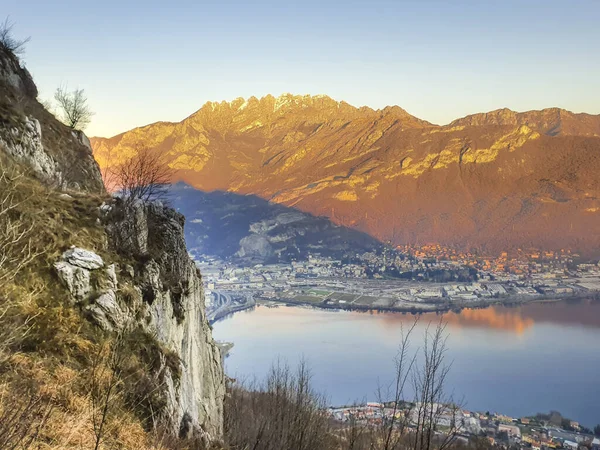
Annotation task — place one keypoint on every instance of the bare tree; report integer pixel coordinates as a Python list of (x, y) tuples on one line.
[(393, 428), (283, 412), (73, 109), (144, 177), (8, 42), (433, 406)]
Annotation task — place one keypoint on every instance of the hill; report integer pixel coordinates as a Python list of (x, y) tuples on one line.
[(493, 182), (248, 229)]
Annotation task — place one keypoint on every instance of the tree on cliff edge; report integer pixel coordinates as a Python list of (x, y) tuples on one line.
[(73, 109), (146, 177)]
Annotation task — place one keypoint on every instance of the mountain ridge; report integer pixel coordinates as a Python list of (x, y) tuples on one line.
[(460, 120), (493, 180)]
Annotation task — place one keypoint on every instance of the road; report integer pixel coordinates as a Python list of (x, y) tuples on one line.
[(224, 303)]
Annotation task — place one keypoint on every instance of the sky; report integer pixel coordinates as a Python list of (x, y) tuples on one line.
[(145, 61)]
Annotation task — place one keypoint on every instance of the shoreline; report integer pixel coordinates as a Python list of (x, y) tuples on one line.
[(435, 307)]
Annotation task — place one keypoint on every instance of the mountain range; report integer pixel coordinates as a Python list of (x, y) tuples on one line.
[(491, 182)]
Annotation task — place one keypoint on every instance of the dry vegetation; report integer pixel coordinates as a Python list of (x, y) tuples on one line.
[(284, 412), (61, 382), (7, 40)]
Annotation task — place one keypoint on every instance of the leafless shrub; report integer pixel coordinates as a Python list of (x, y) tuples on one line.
[(16, 252), (107, 365), (144, 177), (283, 412), (8, 42), (22, 419), (394, 428), (73, 108), (355, 435)]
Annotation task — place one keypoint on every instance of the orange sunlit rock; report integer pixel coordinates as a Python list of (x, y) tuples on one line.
[(488, 182)]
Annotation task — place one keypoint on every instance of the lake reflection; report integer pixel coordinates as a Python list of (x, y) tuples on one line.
[(514, 360)]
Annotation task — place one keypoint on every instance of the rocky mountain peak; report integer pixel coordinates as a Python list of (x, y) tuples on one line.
[(488, 179), (550, 121)]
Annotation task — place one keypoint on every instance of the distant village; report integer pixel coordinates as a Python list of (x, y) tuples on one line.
[(550, 431), (429, 278)]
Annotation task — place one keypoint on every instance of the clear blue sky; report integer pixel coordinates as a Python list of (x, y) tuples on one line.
[(144, 61)]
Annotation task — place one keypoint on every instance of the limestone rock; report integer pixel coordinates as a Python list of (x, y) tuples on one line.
[(57, 155), (173, 312), (83, 258), (76, 279), (255, 245), (25, 144), (111, 273), (74, 270), (106, 312)]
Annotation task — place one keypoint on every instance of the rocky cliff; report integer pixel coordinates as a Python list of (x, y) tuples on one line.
[(160, 293), (56, 154), (494, 181), (133, 278)]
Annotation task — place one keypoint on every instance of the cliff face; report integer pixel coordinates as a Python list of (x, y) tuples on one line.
[(495, 181), (56, 154), (172, 308), (145, 282), (164, 298)]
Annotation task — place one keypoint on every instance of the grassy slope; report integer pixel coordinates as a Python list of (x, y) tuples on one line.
[(47, 346)]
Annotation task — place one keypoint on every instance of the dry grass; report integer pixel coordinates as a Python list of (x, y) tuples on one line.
[(47, 348)]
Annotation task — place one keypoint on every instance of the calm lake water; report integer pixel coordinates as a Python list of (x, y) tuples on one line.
[(513, 360)]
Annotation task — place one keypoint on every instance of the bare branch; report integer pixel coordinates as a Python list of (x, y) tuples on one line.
[(8, 42), (144, 177)]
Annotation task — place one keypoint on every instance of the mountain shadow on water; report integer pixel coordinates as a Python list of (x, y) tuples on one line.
[(248, 229)]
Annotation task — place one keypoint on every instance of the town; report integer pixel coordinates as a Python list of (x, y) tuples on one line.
[(543, 431), (407, 279)]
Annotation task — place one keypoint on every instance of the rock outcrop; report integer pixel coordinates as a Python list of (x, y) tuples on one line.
[(56, 154), (160, 295), (165, 297)]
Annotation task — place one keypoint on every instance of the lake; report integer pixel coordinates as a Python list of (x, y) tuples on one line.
[(512, 360)]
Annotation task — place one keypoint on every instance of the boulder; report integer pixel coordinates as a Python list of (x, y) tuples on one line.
[(83, 258), (74, 268)]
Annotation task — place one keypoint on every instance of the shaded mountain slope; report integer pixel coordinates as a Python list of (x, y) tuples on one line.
[(249, 229)]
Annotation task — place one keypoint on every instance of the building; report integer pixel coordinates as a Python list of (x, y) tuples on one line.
[(571, 445), (512, 430)]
